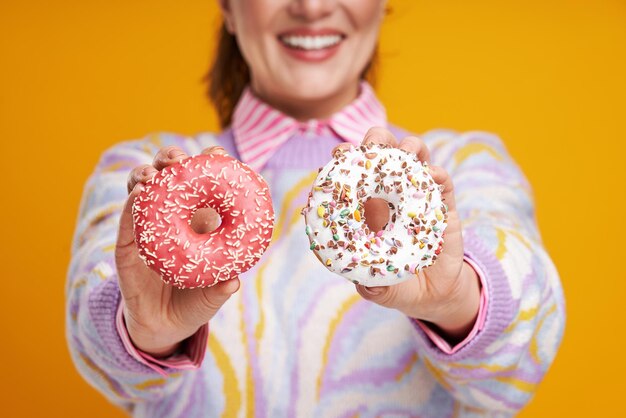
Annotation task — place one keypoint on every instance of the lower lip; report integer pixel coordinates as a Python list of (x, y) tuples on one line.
[(315, 55)]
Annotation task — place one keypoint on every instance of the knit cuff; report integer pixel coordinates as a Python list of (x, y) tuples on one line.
[(500, 308), (479, 323), (188, 357), (103, 304)]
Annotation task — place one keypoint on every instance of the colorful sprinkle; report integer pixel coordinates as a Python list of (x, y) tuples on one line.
[(353, 247)]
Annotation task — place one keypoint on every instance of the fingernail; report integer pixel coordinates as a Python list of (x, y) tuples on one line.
[(172, 153)]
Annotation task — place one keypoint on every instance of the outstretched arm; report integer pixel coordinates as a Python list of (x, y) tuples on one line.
[(109, 335), (500, 366)]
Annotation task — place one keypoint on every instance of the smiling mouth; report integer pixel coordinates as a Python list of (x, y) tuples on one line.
[(311, 42)]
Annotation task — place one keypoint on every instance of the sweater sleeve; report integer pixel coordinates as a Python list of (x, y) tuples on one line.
[(501, 367), (92, 292), (189, 356)]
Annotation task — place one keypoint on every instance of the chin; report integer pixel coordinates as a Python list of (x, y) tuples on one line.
[(314, 88)]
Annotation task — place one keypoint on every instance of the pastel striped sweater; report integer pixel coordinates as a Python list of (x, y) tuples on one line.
[(296, 340)]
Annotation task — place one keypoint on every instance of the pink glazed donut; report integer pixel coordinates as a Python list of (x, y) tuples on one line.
[(163, 211)]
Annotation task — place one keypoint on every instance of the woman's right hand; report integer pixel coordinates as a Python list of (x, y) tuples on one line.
[(159, 316)]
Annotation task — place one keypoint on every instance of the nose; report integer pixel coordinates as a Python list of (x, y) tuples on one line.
[(311, 10)]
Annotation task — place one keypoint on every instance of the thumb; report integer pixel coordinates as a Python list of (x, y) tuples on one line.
[(126, 252), (398, 296), (212, 298), (381, 295)]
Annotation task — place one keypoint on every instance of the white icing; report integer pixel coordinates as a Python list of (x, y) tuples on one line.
[(346, 245)]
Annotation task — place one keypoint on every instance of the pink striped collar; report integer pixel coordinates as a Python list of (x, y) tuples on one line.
[(259, 130)]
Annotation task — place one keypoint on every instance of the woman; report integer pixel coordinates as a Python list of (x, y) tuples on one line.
[(473, 334)]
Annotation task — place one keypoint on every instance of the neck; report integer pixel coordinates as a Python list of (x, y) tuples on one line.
[(303, 109)]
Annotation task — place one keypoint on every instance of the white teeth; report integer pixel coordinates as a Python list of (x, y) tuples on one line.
[(311, 42)]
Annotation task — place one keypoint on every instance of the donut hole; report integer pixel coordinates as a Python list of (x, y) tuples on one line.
[(376, 213), (205, 220)]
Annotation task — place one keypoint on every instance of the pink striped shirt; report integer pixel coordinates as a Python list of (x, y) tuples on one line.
[(260, 129)]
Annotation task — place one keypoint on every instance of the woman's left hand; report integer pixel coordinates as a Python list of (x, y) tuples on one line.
[(447, 293)]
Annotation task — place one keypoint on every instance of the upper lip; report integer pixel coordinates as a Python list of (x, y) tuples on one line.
[(311, 32)]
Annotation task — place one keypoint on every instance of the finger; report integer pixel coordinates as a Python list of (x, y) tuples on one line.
[(379, 135), (398, 296), (218, 150), (376, 213), (205, 220), (381, 295), (126, 252), (415, 145), (441, 176), (168, 156), (140, 174), (215, 296)]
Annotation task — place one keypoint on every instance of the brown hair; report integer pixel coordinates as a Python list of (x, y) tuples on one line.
[(229, 74)]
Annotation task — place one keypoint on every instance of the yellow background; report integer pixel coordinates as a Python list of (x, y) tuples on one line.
[(547, 75)]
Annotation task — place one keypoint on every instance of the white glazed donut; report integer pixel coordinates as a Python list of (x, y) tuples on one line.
[(335, 217)]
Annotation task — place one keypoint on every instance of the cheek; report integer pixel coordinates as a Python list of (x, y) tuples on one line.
[(251, 30), (366, 15)]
